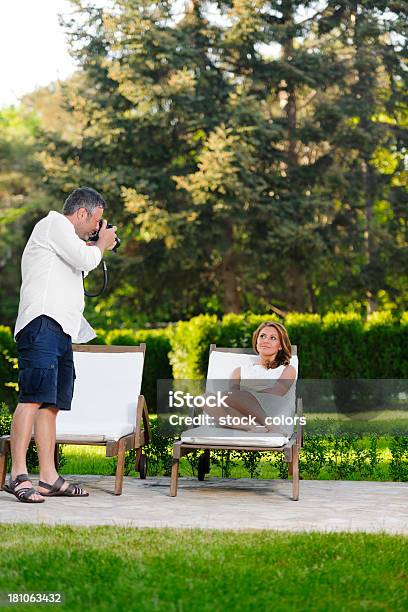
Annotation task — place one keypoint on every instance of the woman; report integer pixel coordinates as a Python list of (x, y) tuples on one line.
[(264, 389)]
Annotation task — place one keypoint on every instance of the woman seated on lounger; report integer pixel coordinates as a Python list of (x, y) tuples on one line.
[(263, 389)]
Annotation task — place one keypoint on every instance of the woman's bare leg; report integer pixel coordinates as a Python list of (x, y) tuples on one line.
[(240, 404), (221, 412)]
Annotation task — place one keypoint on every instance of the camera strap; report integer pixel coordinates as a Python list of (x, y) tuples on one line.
[(105, 282)]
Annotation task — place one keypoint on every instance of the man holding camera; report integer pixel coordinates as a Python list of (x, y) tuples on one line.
[(49, 320)]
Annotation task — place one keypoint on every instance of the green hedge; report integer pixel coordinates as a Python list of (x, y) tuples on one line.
[(8, 367), (345, 456), (338, 345), (157, 363)]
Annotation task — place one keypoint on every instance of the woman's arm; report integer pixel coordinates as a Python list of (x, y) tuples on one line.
[(284, 383), (235, 379)]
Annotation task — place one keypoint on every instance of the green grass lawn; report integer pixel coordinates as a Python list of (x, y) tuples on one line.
[(109, 568)]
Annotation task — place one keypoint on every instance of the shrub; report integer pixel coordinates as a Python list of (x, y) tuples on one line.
[(190, 341), (339, 346), (5, 426), (306, 331), (100, 336), (5, 420), (8, 366), (399, 461), (383, 353)]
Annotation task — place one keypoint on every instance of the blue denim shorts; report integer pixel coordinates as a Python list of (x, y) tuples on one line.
[(46, 372)]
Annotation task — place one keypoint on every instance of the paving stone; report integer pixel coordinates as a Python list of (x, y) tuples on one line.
[(238, 504)]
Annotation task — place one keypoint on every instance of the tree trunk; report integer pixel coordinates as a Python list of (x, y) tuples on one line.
[(228, 274), (232, 302), (365, 87), (289, 88), (296, 290), (312, 298), (296, 281), (369, 195)]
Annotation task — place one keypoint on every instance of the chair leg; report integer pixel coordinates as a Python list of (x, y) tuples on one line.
[(120, 468), (207, 461), (290, 468), (138, 454), (174, 476), (295, 467), (3, 467)]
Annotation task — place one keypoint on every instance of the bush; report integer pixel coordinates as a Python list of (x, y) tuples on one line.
[(5, 420), (190, 341), (346, 456), (8, 367), (100, 337), (5, 426), (306, 331), (399, 461), (339, 346)]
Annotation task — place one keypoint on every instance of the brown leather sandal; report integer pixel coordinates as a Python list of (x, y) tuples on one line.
[(55, 489), (23, 495)]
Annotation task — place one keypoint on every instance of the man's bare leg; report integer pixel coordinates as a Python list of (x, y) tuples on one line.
[(21, 430), (45, 436)]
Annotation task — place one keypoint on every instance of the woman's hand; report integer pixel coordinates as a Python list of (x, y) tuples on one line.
[(284, 383)]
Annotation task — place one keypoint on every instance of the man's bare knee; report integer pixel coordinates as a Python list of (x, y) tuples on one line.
[(25, 406), (48, 411)]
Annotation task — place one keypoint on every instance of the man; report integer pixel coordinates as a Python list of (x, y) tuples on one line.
[(49, 320)]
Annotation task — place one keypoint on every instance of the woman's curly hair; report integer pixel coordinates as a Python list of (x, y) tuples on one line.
[(284, 354)]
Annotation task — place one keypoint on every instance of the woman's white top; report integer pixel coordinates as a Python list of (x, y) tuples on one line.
[(255, 378)]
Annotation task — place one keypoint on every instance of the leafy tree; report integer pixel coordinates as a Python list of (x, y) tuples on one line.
[(369, 137), (21, 198), (253, 161)]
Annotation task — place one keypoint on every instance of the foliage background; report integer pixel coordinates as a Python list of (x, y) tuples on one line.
[(253, 155)]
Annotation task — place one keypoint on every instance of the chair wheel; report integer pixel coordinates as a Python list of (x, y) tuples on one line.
[(203, 466), (142, 466)]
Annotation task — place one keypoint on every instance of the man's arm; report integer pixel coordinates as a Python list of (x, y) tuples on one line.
[(75, 251)]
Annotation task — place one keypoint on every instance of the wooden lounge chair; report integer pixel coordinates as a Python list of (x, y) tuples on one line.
[(221, 363), (107, 408)]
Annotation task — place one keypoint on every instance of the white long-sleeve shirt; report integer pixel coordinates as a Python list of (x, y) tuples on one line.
[(51, 267)]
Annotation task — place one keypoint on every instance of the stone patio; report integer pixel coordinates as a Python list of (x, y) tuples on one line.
[(224, 504)]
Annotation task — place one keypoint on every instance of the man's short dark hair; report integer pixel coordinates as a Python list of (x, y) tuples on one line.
[(83, 197)]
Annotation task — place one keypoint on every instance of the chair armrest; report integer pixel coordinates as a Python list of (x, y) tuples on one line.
[(142, 415), (299, 427), (291, 442)]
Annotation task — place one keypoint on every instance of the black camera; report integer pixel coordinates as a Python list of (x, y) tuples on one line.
[(95, 236)]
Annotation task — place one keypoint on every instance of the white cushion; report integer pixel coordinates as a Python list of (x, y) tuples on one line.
[(223, 436), (221, 365), (103, 430), (105, 395)]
